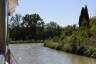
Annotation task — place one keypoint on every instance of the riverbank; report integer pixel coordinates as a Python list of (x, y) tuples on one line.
[(77, 40), (25, 41), (88, 51)]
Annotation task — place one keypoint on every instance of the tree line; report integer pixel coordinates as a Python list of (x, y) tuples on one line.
[(31, 27)]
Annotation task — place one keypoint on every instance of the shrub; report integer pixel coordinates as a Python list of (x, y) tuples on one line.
[(55, 39)]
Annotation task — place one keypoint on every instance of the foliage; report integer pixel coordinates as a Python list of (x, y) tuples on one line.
[(15, 21), (32, 20), (55, 39), (84, 18), (78, 40), (51, 44), (93, 19), (30, 27)]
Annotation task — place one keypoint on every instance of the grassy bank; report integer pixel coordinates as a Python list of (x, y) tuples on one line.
[(77, 40), (84, 51)]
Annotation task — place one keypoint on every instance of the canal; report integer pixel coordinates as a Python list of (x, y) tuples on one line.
[(37, 54)]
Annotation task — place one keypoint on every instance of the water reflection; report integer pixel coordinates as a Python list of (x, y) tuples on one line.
[(37, 54)]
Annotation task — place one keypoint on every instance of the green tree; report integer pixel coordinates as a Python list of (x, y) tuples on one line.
[(34, 25), (31, 20), (53, 29), (84, 18), (52, 26), (15, 21)]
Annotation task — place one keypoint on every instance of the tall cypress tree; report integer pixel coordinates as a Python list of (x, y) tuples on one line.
[(84, 18), (81, 16), (87, 16)]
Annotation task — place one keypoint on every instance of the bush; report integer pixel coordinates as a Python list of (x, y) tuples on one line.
[(81, 50), (55, 39), (51, 44)]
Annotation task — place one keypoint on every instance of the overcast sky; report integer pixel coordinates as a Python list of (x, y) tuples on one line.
[(63, 12)]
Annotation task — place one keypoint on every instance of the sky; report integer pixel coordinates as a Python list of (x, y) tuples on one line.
[(63, 12)]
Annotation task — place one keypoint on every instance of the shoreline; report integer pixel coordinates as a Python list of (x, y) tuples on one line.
[(24, 42), (69, 51)]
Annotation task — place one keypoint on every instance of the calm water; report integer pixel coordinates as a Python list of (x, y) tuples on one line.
[(37, 54)]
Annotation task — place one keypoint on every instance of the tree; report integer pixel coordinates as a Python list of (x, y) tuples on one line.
[(52, 26), (53, 29), (84, 18), (15, 20), (93, 20), (31, 27), (31, 20), (33, 23), (81, 17)]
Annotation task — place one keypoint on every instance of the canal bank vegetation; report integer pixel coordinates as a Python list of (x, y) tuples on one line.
[(80, 39), (31, 28)]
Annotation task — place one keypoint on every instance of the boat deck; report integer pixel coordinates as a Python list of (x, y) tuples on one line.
[(1, 59)]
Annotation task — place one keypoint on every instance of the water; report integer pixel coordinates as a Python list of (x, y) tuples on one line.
[(37, 54)]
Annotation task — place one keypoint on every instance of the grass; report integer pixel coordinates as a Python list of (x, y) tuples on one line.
[(51, 44)]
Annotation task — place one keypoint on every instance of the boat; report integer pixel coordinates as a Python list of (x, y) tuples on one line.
[(7, 7)]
